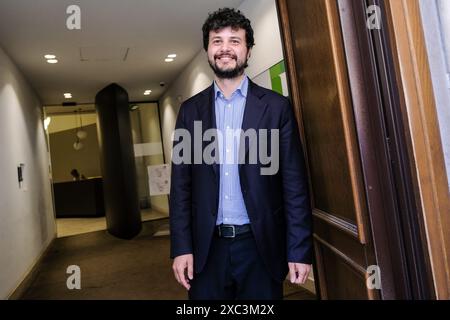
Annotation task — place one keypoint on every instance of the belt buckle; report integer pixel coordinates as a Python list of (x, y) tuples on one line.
[(229, 226)]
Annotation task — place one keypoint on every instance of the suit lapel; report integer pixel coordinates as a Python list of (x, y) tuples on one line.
[(254, 110), (206, 109)]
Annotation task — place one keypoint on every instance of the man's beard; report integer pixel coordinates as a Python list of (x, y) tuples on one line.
[(229, 73)]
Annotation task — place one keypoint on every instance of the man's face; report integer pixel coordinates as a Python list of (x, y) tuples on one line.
[(227, 52)]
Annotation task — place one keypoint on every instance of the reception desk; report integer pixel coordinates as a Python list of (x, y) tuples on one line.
[(78, 199)]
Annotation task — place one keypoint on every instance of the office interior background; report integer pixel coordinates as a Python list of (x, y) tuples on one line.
[(49, 125)]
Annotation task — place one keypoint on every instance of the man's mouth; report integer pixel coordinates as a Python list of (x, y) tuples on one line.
[(225, 58)]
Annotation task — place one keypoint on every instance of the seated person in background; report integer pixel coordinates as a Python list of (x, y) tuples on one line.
[(76, 175)]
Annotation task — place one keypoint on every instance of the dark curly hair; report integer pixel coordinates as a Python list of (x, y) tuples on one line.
[(227, 17)]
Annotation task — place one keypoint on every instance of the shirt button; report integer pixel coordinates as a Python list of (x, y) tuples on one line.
[(229, 105), (228, 127), (228, 150), (226, 197), (226, 173)]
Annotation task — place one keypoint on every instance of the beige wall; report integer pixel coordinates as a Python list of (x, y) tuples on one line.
[(27, 223), (65, 157), (65, 122)]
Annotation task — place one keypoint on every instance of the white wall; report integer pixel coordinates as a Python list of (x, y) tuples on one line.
[(26, 215), (197, 76), (436, 22), (268, 49)]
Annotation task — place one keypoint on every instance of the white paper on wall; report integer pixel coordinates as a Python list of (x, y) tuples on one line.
[(159, 179)]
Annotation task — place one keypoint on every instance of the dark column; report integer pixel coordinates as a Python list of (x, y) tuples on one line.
[(117, 160)]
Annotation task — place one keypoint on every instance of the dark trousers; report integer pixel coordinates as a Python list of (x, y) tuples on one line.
[(234, 270)]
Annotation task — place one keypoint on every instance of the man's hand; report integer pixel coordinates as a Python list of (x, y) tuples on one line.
[(299, 272), (180, 264)]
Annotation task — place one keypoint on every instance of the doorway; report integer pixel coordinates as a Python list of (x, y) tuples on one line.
[(369, 239), (76, 174)]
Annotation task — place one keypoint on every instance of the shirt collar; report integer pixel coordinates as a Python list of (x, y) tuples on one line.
[(242, 88)]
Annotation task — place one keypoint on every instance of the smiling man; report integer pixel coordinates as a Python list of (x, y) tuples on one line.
[(236, 233)]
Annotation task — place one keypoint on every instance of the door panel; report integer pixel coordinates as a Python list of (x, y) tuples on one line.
[(341, 227), (342, 279), (328, 126)]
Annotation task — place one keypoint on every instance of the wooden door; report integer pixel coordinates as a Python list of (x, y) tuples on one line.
[(342, 241), (345, 91)]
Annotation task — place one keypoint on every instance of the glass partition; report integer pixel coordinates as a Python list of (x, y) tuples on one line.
[(152, 173)]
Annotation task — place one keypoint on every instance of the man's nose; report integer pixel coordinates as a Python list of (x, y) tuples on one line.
[(225, 47)]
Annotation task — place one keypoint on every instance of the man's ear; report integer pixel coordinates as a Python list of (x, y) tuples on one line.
[(249, 54)]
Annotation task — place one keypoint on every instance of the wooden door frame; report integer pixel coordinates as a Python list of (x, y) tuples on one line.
[(397, 229), (425, 152)]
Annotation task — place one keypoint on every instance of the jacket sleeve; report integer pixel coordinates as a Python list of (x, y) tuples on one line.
[(297, 207), (180, 199)]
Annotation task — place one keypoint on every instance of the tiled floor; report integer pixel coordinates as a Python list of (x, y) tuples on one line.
[(72, 226)]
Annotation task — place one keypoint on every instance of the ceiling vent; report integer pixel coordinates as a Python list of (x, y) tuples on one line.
[(104, 53)]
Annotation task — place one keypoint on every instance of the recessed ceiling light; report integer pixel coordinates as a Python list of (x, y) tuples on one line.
[(147, 92), (52, 61), (168, 60), (67, 95), (49, 56), (172, 55)]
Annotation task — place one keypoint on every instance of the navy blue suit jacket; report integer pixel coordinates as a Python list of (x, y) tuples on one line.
[(278, 205)]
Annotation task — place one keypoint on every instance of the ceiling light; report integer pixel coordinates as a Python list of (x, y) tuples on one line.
[(168, 60), (147, 92), (78, 145), (81, 134), (67, 95), (134, 107), (52, 61), (172, 55), (49, 56)]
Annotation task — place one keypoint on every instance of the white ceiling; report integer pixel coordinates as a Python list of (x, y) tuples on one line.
[(151, 29)]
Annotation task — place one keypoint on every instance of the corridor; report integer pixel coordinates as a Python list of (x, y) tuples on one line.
[(111, 268)]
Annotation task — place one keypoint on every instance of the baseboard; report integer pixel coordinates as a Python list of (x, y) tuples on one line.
[(31, 275)]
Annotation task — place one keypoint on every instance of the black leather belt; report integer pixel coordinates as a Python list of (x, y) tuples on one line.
[(231, 231)]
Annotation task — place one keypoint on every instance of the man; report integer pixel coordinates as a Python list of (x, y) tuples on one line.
[(236, 232)]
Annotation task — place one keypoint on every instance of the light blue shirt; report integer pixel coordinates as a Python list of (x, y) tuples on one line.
[(229, 116)]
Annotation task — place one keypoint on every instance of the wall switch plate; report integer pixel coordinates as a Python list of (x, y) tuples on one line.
[(20, 175)]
